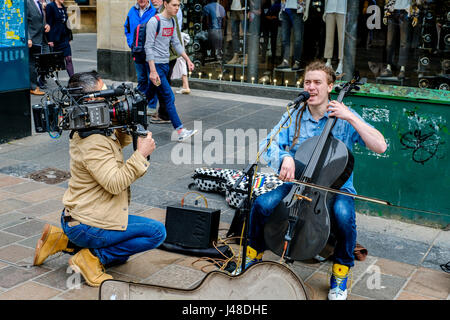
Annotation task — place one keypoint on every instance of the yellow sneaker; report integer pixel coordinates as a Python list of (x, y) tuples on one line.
[(338, 282), (251, 258)]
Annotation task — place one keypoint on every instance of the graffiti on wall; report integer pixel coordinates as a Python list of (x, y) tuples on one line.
[(423, 139)]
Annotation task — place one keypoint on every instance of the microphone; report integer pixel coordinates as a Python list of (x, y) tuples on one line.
[(302, 97), (119, 91)]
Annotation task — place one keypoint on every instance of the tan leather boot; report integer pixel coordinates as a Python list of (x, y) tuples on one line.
[(53, 240), (37, 92), (90, 267)]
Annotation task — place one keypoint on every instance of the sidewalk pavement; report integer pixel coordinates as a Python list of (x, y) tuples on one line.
[(403, 260)]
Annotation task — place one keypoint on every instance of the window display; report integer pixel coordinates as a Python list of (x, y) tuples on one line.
[(399, 42)]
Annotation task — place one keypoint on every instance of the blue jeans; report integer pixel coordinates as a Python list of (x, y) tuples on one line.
[(142, 74), (291, 20), (112, 246), (342, 222), (165, 94)]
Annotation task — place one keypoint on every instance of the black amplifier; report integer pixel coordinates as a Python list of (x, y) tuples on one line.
[(192, 227)]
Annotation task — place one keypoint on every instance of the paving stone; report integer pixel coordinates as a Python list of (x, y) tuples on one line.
[(157, 214), (429, 283), (392, 247), (147, 263), (302, 271), (53, 218), (411, 296), (7, 238), (394, 268), (53, 262), (43, 208), (443, 239), (27, 229), (319, 282), (15, 253), (137, 208), (352, 296), (378, 286), (5, 195), (62, 278), (5, 162), (29, 186), (21, 170), (11, 218), (175, 276), (400, 229), (85, 292), (42, 195), (436, 256), (11, 205), (30, 242), (29, 291), (7, 180), (12, 276)]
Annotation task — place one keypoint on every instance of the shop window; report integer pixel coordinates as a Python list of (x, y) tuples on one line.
[(270, 42)]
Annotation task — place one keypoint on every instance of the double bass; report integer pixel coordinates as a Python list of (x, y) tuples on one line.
[(299, 228)]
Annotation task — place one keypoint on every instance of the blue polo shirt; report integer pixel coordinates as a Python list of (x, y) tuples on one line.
[(310, 127)]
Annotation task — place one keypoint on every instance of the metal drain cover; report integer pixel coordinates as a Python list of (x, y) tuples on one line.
[(49, 176)]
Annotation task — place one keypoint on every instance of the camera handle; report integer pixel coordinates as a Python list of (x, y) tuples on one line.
[(139, 131)]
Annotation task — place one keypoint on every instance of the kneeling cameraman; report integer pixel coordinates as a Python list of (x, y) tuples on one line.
[(96, 227)]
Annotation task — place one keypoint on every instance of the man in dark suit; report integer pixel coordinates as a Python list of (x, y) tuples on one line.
[(36, 39)]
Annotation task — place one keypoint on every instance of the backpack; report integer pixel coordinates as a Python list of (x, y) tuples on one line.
[(139, 37)]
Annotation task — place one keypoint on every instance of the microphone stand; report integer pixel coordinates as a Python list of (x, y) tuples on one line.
[(248, 173)]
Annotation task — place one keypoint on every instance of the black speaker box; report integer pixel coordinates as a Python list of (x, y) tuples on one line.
[(192, 227)]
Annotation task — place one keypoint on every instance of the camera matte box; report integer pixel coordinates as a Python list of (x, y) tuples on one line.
[(192, 227)]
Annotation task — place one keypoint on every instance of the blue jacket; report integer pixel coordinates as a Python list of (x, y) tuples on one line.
[(133, 20)]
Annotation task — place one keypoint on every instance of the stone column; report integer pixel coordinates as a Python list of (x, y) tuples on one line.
[(113, 55)]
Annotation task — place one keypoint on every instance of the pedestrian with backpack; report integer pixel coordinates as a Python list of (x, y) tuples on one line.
[(135, 26), (161, 33)]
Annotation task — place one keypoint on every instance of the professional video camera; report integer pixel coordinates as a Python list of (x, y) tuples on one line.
[(72, 109)]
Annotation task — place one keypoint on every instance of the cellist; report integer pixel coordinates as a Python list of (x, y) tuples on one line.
[(307, 122)]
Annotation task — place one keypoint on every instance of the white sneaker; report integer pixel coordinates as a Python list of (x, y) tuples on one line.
[(184, 91), (185, 134), (337, 294)]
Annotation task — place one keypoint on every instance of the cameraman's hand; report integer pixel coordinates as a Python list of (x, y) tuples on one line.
[(30, 43), (146, 145), (51, 44)]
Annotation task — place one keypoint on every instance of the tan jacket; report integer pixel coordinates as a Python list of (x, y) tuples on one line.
[(99, 187)]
